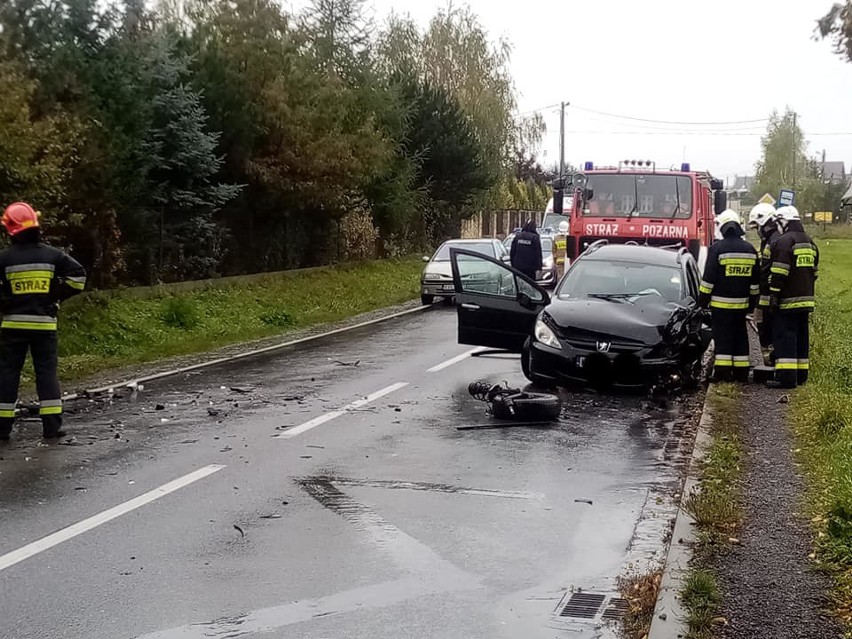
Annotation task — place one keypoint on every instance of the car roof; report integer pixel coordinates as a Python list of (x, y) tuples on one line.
[(472, 240), (633, 253)]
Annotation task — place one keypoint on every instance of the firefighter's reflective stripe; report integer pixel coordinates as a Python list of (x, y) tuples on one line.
[(729, 303), (29, 322), (791, 303), (779, 268), (774, 289), (706, 287), (723, 360), (738, 264), (742, 361), (31, 281), (78, 283), (764, 300), (36, 266), (755, 289), (803, 364), (737, 258), (50, 407), (786, 364), (7, 411), (805, 255)]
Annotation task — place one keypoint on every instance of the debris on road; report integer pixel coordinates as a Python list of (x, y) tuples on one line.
[(241, 389), (339, 363), (513, 403), (239, 530), (271, 516), (584, 501)]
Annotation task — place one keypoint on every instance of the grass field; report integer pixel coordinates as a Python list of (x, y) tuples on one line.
[(99, 332), (822, 419)]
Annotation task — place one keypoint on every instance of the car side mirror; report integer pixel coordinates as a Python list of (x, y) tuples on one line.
[(525, 300), (425, 258)]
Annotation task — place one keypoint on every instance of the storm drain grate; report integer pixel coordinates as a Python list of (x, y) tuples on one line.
[(615, 609), (582, 605)]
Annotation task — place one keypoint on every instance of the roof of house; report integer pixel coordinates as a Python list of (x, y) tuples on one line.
[(834, 171)]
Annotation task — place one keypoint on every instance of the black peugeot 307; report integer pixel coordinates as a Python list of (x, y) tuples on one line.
[(622, 315)]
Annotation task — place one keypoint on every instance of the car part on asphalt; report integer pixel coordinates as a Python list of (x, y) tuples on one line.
[(516, 404)]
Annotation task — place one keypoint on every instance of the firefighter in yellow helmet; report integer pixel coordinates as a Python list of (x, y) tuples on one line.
[(34, 278)]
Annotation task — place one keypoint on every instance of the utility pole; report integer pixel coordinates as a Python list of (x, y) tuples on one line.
[(562, 139), (795, 149)]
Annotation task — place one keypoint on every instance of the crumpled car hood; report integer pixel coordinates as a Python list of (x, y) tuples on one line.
[(645, 321)]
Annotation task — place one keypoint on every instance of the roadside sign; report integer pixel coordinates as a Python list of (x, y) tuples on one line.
[(787, 197), (826, 217), (767, 199)]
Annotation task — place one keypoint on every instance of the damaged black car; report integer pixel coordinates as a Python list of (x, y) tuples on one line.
[(622, 316)]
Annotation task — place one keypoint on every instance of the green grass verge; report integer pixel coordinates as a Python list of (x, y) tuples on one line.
[(716, 508), (102, 331), (821, 415)]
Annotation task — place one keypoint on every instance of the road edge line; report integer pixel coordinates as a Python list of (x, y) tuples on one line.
[(252, 353), (669, 620)]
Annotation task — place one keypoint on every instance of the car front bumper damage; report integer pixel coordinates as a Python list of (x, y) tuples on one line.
[(612, 369)]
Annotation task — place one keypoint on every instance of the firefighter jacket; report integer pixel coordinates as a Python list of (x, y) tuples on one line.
[(731, 278), (526, 251), (34, 278), (766, 267), (795, 263)]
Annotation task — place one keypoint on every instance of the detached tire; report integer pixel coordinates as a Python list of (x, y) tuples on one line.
[(530, 407)]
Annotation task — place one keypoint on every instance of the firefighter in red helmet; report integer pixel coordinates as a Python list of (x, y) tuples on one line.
[(34, 278)]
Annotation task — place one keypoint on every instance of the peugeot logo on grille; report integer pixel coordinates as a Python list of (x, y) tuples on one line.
[(603, 347)]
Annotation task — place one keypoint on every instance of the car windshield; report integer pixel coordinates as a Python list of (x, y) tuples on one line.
[(552, 220), (615, 195), (621, 281), (443, 253)]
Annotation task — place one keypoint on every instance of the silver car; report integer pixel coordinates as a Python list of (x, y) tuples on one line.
[(437, 278)]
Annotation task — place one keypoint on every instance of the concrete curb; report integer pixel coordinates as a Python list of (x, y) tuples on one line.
[(669, 620), (230, 358)]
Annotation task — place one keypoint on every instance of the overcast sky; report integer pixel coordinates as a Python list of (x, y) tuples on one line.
[(674, 60)]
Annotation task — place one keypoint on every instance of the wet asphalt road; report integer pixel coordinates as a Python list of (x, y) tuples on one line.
[(273, 515)]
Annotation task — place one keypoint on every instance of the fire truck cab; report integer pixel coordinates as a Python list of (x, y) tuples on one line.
[(636, 203)]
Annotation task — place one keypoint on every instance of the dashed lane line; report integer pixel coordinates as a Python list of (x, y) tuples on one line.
[(45, 543), (327, 417)]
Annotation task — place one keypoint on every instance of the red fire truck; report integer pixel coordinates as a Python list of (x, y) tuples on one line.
[(635, 202)]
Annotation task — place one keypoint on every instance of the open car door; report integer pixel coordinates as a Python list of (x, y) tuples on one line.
[(497, 305)]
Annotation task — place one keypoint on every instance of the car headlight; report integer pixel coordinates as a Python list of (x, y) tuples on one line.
[(546, 336)]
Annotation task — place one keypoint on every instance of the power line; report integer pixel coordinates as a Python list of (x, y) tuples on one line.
[(544, 108), (627, 117), (704, 133)]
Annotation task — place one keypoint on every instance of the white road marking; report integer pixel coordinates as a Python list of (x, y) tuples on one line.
[(322, 419), (46, 543), (454, 360)]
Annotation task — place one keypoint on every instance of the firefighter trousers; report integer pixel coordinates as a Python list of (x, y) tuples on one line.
[(791, 333), (730, 337), (14, 345)]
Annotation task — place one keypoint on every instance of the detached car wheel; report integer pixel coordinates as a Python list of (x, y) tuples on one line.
[(532, 407), (427, 300)]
